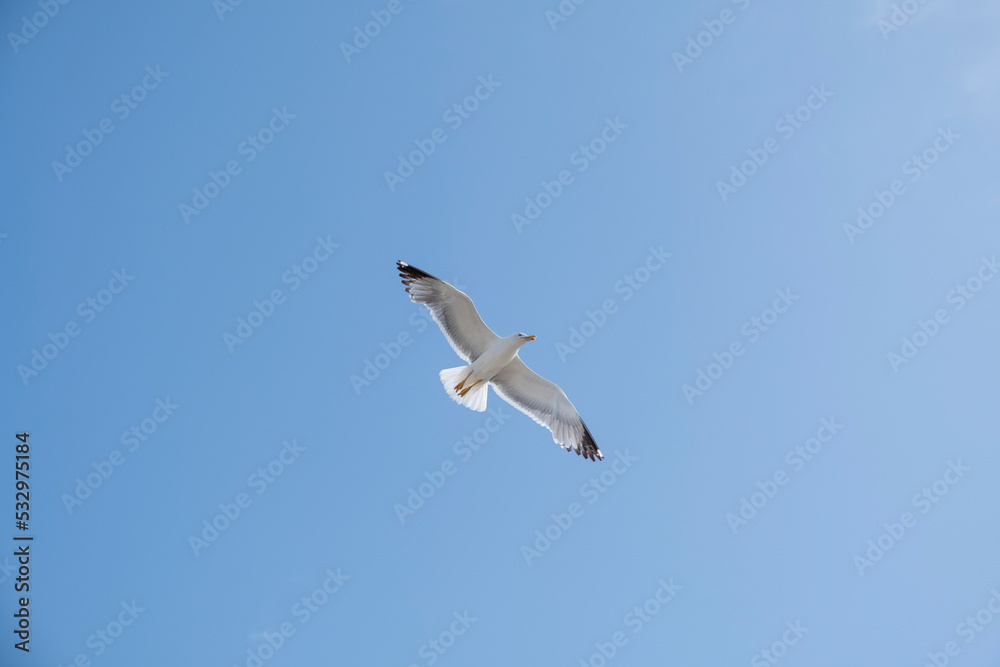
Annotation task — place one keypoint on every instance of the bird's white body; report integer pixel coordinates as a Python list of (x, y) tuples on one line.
[(467, 384)]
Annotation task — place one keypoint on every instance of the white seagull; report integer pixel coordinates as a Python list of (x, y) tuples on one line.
[(493, 361)]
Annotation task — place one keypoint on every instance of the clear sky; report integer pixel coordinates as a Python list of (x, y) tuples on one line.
[(756, 243)]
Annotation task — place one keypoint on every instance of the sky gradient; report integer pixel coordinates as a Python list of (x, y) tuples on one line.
[(757, 245)]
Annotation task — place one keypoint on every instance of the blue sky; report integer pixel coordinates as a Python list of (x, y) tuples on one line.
[(797, 408)]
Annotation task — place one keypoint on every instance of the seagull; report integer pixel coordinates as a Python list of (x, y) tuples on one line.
[(493, 361)]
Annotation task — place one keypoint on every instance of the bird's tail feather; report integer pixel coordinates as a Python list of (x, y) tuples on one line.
[(472, 397)]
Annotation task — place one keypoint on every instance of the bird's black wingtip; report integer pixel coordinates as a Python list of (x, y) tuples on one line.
[(409, 272), (588, 447)]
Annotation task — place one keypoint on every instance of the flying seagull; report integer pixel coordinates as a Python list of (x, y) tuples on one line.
[(493, 361)]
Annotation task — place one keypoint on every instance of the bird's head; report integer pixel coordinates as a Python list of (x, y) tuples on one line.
[(523, 338)]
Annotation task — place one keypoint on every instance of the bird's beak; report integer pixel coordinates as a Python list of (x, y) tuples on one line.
[(527, 338)]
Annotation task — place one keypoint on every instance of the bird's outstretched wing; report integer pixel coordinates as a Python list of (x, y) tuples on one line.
[(453, 311), (547, 404)]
